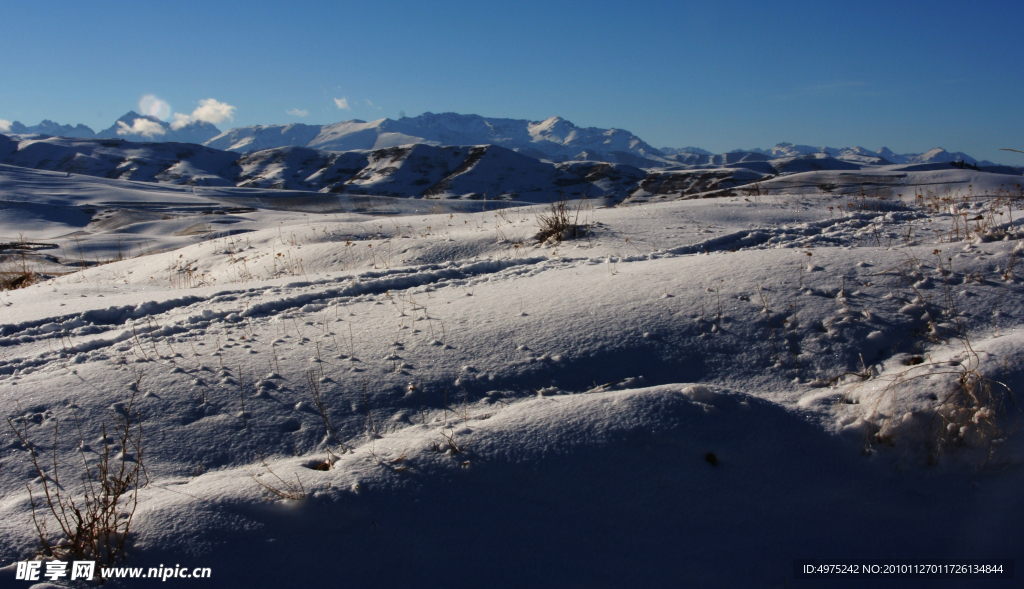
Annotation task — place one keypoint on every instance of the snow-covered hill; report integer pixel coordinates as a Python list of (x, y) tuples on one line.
[(430, 171), (175, 163), (396, 392), (419, 170)]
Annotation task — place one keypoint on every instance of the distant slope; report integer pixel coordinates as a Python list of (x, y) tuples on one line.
[(172, 163), (436, 172), (299, 168), (259, 137)]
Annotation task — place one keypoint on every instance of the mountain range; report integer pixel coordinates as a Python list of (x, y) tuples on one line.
[(554, 139), (421, 170), (880, 156), (131, 127)]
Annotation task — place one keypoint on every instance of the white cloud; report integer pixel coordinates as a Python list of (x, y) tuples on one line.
[(154, 107), (144, 127), (297, 112), (209, 111), (342, 103), (5, 126), (371, 105)]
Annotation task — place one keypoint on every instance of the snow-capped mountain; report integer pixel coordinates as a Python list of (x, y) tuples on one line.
[(939, 155), (135, 127), (259, 137), (859, 154), (554, 138), (684, 151), (131, 127), (48, 127)]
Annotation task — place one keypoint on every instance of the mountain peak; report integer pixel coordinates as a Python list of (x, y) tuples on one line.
[(135, 127), (132, 115)]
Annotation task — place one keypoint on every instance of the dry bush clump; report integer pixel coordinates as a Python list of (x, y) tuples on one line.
[(94, 524), (560, 222), (967, 415), (16, 272), (972, 411)]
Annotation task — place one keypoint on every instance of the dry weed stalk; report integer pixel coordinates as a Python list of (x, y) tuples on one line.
[(966, 414), (314, 387), (452, 444), (768, 324), (560, 222), (17, 274), (282, 489), (94, 526)]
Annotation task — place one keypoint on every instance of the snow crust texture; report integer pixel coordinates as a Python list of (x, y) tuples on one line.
[(689, 391)]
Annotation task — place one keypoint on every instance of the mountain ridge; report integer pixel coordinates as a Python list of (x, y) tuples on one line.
[(554, 138), (422, 170), (131, 127)]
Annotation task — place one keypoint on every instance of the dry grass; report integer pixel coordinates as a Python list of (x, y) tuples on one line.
[(321, 408), (281, 489), (95, 524), (16, 272), (560, 222), (970, 410)]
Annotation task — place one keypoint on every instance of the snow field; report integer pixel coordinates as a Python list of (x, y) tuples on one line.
[(692, 383)]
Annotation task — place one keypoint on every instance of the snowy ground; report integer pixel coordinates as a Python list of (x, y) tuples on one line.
[(694, 393)]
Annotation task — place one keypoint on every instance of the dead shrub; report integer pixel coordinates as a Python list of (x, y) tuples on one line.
[(93, 525), (560, 222)]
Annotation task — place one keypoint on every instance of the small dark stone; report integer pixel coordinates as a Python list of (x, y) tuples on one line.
[(711, 458)]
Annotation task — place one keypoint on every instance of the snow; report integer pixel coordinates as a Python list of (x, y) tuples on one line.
[(480, 172), (695, 391), (554, 138)]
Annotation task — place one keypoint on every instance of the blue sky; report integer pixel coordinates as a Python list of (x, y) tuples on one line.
[(715, 74)]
